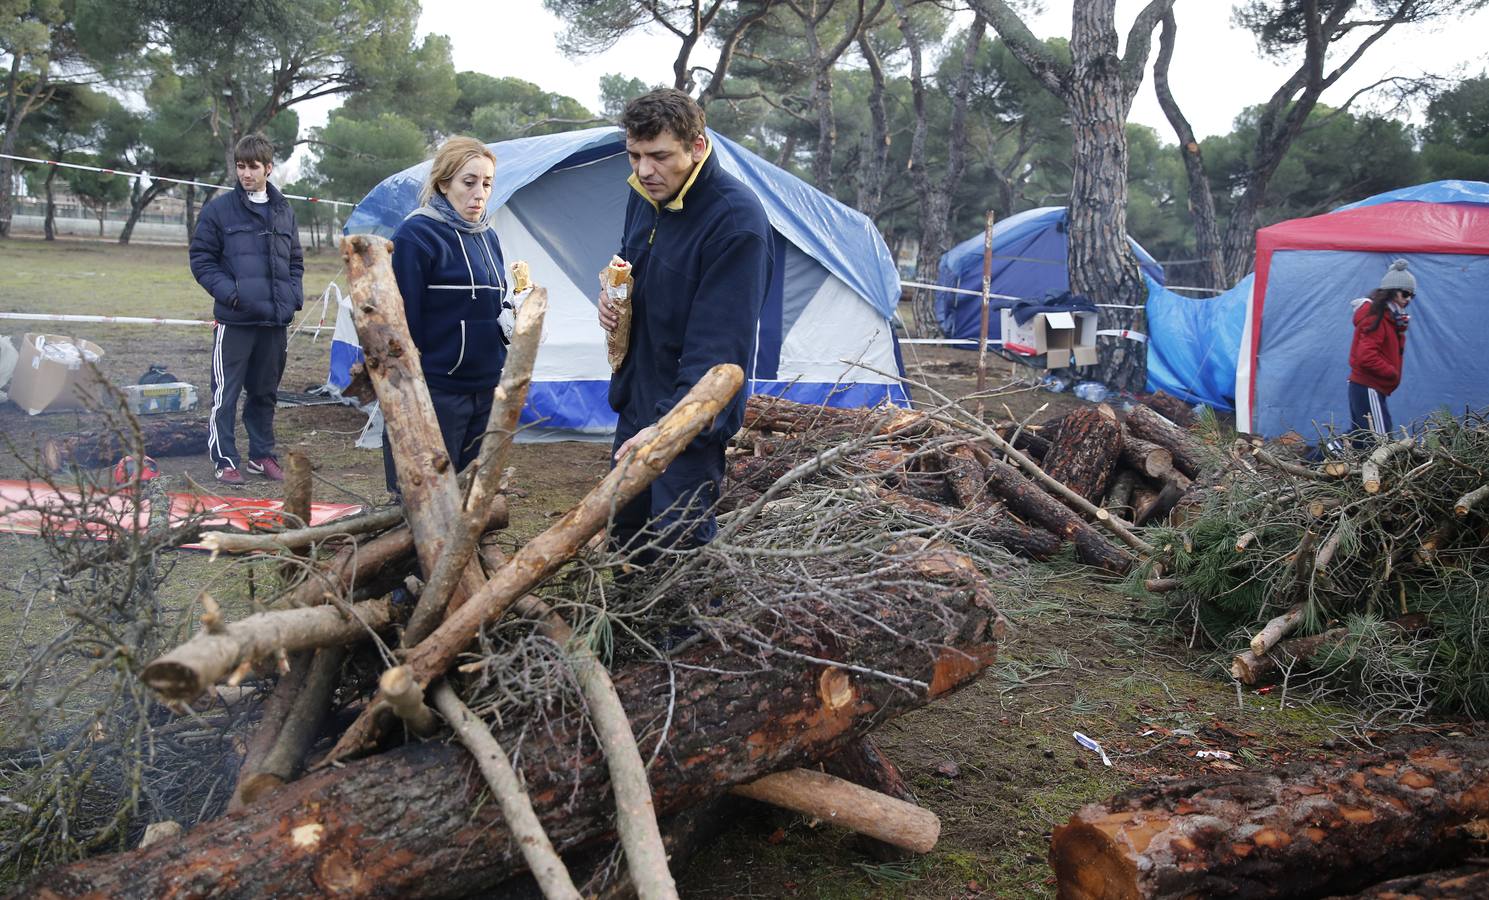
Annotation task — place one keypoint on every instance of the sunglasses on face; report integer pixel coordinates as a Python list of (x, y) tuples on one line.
[(1408, 294)]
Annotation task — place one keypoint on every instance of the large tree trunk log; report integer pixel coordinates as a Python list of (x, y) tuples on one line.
[(965, 477), (89, 449), (1086, 451), (1148, 425), (1306, 831), (412, 823), (1031, 503)]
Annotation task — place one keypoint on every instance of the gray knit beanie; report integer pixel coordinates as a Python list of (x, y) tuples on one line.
[(1398, 279)]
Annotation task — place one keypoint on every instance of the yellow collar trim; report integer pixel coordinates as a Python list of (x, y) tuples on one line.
[(675, 204)]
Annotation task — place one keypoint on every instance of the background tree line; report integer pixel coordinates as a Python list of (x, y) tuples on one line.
[(906, 109)]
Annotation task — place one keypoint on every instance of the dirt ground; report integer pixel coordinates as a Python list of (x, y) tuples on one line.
[(997, 761)]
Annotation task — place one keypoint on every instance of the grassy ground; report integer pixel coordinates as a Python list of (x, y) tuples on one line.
[(996, 761)]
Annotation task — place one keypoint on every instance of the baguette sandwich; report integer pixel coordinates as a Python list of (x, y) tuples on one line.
[(617, 283)]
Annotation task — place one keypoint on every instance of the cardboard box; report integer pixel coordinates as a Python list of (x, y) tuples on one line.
[(1064, 338), (53, 373)]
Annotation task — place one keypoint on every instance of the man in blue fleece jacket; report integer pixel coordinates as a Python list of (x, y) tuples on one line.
[(700, 248)]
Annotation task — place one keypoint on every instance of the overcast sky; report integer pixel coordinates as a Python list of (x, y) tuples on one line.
[(1215, 72)]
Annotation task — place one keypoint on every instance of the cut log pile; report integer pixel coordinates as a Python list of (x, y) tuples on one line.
[(1084, 479), (337, 792)]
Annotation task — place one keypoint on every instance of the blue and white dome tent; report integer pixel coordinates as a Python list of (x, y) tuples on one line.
[(825, 334)]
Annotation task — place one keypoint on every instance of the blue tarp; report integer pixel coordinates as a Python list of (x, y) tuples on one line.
[(1194, 342), (843, 240), (1029, 261)]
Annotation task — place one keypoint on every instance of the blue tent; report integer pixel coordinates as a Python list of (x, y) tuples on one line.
[(825, 335), (1029, 261)]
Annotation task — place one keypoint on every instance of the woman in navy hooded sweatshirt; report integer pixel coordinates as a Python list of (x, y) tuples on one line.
[(1377, 351), (450, 271)]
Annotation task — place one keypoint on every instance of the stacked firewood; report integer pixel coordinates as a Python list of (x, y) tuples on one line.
[(1086, 479), (596, 710)]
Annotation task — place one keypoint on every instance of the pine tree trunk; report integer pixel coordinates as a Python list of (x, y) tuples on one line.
[(7, 166), (1211, 273), (190, 211), (1102, 266), (137, 208), (876, 142)]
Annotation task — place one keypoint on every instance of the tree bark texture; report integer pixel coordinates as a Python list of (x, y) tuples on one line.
[(91, 449), (1027, 500), (1304, 831), (411, 822), (1468, 882), (1145, 423), (1085, 454)]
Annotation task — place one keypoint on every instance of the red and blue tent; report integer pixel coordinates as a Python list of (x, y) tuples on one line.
[(1294, 360)]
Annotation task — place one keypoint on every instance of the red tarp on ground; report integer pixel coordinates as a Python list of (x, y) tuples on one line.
[(24, 505)]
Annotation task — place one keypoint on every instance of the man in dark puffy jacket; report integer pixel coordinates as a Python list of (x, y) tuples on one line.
[(246, 253)]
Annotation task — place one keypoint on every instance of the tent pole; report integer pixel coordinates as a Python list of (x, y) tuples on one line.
[(987, 288)]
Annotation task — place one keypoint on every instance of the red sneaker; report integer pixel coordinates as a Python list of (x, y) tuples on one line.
[(266, 466), (229, 475)]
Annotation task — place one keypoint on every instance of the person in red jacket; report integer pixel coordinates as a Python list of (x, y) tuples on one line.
[(1376, 352)]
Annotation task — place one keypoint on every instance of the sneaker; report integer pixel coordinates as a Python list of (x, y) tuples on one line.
[(229, 475), (266, 466)]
